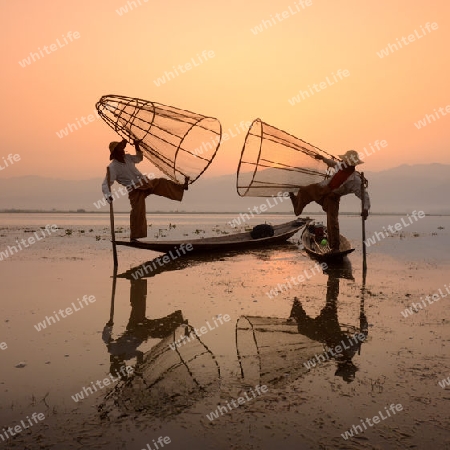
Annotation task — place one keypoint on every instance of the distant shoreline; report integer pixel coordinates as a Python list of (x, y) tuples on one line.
[(318, 213)]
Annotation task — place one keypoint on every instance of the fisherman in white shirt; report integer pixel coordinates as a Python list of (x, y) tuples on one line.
[(122, 169), (345, 180)]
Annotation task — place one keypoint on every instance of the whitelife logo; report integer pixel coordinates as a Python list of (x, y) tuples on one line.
[(49, 49), (430, 299), (244, 217), (299, 6), (129, 6), (166, 259), (183, 68), (31, 240), (85, 120), (85, 301), (9, 161), (356, 429), (240, 401), (435, 116), (318, 87), (380, 235), (36, 417), (406, 41), (184, 339), (125, 371)]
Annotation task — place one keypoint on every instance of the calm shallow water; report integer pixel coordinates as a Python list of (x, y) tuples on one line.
[(402, 361)]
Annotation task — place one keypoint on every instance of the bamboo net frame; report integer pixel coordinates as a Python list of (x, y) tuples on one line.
[(274, 161), (179, 142)]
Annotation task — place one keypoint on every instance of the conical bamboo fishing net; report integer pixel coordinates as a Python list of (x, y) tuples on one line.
[(174, 375), (271, 350), (179, 142), (274, 161)]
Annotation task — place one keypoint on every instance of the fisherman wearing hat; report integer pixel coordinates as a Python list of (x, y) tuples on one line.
[(345, 180), (122, 169)]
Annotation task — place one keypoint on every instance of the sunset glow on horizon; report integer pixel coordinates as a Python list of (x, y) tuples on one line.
[(338, 75)]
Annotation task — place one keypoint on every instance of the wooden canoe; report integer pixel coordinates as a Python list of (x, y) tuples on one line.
[(314, 248), (237, 241)]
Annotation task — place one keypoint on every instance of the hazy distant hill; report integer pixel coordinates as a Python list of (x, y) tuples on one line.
[(401, 189)]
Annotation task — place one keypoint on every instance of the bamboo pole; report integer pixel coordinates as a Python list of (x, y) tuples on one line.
[(113, 295), (363, 192), (111, 220)]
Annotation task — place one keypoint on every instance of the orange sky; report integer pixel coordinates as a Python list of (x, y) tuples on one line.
[(250, 75)]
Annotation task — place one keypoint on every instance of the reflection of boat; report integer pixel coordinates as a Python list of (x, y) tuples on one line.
[(237, 241), (315, 243), (170, 378), (270, 350), (156, 266)]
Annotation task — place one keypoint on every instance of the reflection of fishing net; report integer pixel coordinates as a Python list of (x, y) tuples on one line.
[(169, 381), (274, 161), (271, 351), (180, 143)]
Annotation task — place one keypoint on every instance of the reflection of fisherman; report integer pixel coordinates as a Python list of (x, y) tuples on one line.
[(123, 170), (326, 328), (139, 329), (346, 180)]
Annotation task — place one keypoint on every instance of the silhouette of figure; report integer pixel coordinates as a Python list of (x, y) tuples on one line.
[(325, 327), (139, 328)]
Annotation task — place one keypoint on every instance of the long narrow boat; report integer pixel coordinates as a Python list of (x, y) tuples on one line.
[(316, 245), (237, 241)]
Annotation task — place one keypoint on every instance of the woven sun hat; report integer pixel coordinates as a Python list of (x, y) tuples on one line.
[(113, 146), (351, 158)]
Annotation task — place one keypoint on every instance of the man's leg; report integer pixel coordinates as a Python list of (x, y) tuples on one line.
[(138, 219), (331, 206), (305, 195), (138, 300), (164, 188)]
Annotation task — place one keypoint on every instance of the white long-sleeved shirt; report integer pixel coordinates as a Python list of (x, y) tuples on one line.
[(125, 173), (352, 185)]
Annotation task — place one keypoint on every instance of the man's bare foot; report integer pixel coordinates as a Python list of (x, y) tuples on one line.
[(186, 183)]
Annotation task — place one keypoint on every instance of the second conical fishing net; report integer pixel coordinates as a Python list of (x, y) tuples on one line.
[(180, 143), (274, 161), (270, 350)]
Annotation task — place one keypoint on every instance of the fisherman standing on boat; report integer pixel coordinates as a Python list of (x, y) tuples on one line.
[(328, 193), (122, 169)]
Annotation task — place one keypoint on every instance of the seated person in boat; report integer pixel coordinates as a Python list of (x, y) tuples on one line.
[(327, 193), (122, 169)]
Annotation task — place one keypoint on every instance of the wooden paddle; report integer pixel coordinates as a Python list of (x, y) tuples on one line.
[(111, 219)]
